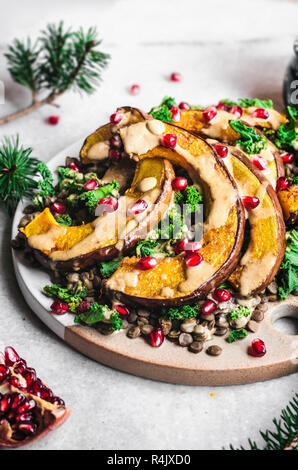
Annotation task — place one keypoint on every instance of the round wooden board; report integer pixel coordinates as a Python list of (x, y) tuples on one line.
[(169, 363)]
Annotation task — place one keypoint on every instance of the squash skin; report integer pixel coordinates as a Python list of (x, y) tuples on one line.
[(288, 199), (108, 252), (219, 276)]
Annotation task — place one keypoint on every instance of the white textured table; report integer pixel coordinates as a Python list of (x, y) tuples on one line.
[(225, 49)]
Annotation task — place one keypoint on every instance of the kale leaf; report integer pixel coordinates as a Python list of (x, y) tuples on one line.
[(287, 274), (180, 313), (73, 297), (107, 268), (236, 334), (250, 141), (245, 102)]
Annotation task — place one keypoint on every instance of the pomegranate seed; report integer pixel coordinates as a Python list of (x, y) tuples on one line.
[(209, 113), (116, 118), (116, 142), (282, 183), (59, 308), (156, 337), (148, 262), (208, 307), (122, 310), (176, 114), (222, 106), (180, 246), (24, 417), (185, 245), (115, 155), (57, 401), (221, 150), (30, 376), (27, 428), (250, 202), (11, 356), (17, 400), (5, 403), (110, 204), (179, 183), (176, 77), (138, 207), (58, 208), (287, 157), (236, 110), (257, 348), (169, 141), (20, 366), (221, 295), (261, 113), (27, 406), (14, 382), (4, 372), (184, 106), (135, 89), (46, 393), (84, 306), (193, 247), (91, 185), (194, 259), (73, 166), (260, 162), (53, 120), (2, 358)]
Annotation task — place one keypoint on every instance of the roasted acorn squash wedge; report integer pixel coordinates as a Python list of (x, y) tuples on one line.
[(111, 235), (172, 282), (219, 128), (288, 199)]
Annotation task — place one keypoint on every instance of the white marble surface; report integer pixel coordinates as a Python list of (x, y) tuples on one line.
[(223, 49)]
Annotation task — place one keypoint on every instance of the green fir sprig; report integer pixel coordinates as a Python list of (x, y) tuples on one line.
[(60, 59)]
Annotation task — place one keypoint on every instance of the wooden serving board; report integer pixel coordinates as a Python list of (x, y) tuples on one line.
[(170, 362)]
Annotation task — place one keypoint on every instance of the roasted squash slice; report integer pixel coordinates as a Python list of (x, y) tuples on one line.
[(219, 128), (171, 282), (111, 235), (288, 199)]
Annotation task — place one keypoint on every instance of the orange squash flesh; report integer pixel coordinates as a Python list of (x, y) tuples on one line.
[(288, 199)]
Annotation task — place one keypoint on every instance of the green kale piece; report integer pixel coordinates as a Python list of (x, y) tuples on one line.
[(250, 141), (92, 198), (192, 199), (97, 313), (72, 297), (162, 112), (64, 219), (107, 268), (286, 134), (287, 274), (237, 334), (228, 102), (146, 248), (45, 186), (245, 102), (294, 180), (181, 313), (239, 312)]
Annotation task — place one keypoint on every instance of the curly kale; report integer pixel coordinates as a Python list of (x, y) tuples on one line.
[(64, 219), (256, 102), (98, 313), (287, 274), (250, 141), (45, 186), (107, 268), (73, 297), (286, 134), (181, 313), (162, 112), (236, 334), (92, 198), (239, 312)]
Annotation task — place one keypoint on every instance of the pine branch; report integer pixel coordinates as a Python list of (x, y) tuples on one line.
[(285, 434), (60, 60)]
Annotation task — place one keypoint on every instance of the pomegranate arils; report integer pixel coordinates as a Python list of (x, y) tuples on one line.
[(208, 307), (138, 207), (179, 183), (261, 113), (2, 358), (73, 166), (53, 120), (221, 295), (148, 262), (209, 113), (156, 337), (222, 107), (84, 306), (221, 150), (110, 204), (185, 245), (116, 142), (169, 141), (193, 259), (4, 372), (257, 348), (91, 185), (30, 376), (59, 308), (116, 118), (27, 428), (176, 114), (184, 106), (27, 406), (5, 403), (260, 162), (17, 400), (236, 110), (24, 417), (282, 183), (20, 366), (135, 89), (58, 208), (57, 401), (14, 381), (250, 202), (11, 356), (115, 155), (176, 77), (287, 157), (122, 310)]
